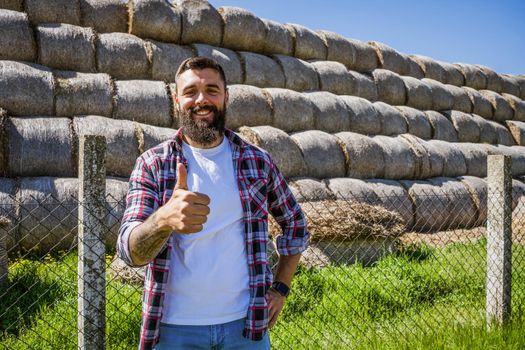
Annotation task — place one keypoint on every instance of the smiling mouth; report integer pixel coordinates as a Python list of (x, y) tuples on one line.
[(202, 111)]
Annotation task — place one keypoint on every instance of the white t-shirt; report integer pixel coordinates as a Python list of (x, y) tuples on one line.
[(208, 282)]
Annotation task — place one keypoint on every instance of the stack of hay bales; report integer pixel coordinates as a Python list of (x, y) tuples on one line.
[(343, 119)]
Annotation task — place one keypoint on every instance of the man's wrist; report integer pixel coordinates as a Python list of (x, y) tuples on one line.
[(281, 288)]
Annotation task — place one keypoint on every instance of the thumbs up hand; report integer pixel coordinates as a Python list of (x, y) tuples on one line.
[(186, 211)]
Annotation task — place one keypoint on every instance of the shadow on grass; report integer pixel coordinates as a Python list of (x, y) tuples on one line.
[(415, 252)]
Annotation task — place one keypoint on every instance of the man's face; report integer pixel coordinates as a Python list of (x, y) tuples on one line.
[(200, 102)]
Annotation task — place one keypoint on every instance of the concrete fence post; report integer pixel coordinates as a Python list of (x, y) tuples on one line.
[(499, 239), (91, 248)]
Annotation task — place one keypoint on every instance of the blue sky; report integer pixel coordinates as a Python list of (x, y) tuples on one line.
[(485, 32)]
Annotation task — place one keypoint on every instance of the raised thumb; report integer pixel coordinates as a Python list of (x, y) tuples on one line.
[(182, 177)]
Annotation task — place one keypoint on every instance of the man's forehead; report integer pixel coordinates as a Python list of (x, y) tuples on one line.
[(208, 75)]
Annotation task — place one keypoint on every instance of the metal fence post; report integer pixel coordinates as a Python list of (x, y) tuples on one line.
[(91, 248), (499, 239)]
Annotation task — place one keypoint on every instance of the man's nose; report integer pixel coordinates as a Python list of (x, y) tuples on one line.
[(201, 98)]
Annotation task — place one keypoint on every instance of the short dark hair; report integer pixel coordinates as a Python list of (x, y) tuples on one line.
[(200, 63)]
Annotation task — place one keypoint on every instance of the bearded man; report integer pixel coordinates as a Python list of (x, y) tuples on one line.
[(197, 215)]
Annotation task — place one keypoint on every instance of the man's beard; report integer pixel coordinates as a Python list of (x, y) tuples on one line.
[(200, 131)]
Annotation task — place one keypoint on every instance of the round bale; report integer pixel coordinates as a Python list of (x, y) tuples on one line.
[(16, 37), (166, 59), (143, 101), (390, 87), (494, 80), (105, 16), (424, 167), (366, 57), (330, 113), (488, 132), (243, 31), (461, 97), (480, 104), (442, 98), (364, 156), (4, 143), (26, 89), (13, 5), (455, 163), (392, 120), (123, 56), (363, 86), (474, 76), (504, 135), (393, 197), (8, 210), (363, 116), (122, 144), (517, 105), (418, 123), (40, 146), (261, 71), (432, 68), (280, 145), (414, 69), (299, 75), (155, 19), (154, 135), (83, 93), (454, 74), (517, 153), (247, 105), (334, 77), (477, 188), (467, 128), (339, 48), (308, 44), (502, 109), (278, 38), (116, 190), (201, 23), (442, 128), (226, 58), (511, 85), (322, 153), (475, 158), (521, 82), (53, 11), (419, 93), (310, 190), (517, 129), (399, 160), (292, 111), (352, 190), (390, 59)]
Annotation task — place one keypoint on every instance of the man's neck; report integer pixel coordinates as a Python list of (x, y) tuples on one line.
[(195, 144)]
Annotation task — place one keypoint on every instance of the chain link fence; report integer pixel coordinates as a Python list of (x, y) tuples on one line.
[(380, 270)]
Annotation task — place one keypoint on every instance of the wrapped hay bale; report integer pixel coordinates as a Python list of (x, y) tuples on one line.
[(467, 127), (364, 156), (48, 214), (261, 71), (480, 104), (419, 93), (153, 135), (521, 83), (53, 11), (339, 49), (518, 193), (363, 116), (282, 148), (366, 57), (155, 19), (442, 128), (105, 16), (16, 37), (299, 75), (123, 56), (517, 105), (442, 98), (40, 146), (461, 98), (430, 205), (308, 45), (166, 59), (399, 160), (243, 31), (390, 87), (502, 109), (8, 212), (511, 85), (26, 89), (504, 135), (143, 101), (418, 123), (226, 58), (392, 120), (330, 113), (494, 80), (461, 207), (475, 158), (316, 146), (487, 130), (424, 167), (116, 190), (13, 5), (390, 59), (83, 93), (517, 153), (474, 76), (122, 146), (4, 144), (517, 129), (393, 197), (201, 23), (454, 74), (292, 111), (362, 85), (310, 190), (431, 68), (454, 162), (477, 188), (278, 38), (414, 70), (333, 77), (247, 105), (65, 46), (352, 190)]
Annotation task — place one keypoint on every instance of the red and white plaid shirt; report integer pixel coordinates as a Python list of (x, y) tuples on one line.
[(262, 189)]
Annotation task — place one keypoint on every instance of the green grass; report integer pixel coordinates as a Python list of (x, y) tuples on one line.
[(421, 298)]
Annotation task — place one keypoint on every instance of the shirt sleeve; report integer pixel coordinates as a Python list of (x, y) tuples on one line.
[(141, 201), (288, 214)]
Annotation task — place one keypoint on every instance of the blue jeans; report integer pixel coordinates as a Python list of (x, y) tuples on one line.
[(220, 336)]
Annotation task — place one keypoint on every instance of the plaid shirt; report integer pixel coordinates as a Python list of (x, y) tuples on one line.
[(262, 189)]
